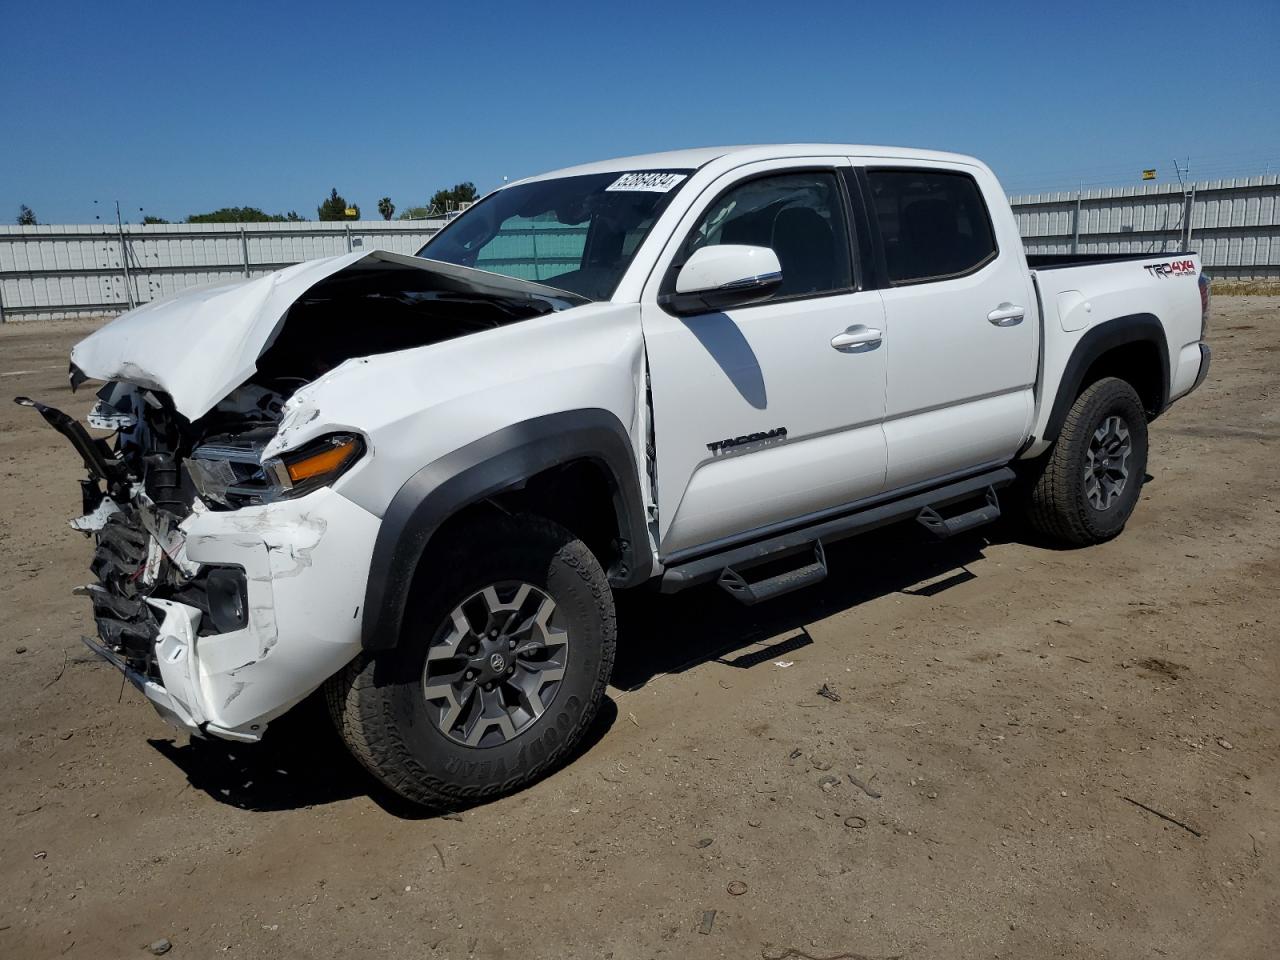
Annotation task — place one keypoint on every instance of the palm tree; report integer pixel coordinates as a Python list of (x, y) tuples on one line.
[(386, 208)]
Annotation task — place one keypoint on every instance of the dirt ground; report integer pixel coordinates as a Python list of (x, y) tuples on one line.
[(1009, 708)]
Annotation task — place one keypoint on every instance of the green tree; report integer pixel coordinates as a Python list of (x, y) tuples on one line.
[(386, 208), (237, 215), (150, 219), (335, 207), (443, 201), (26, 216), (446, 200)]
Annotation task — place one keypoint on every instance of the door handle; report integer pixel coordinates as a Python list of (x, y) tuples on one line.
[(1007, 315), (856, 336)]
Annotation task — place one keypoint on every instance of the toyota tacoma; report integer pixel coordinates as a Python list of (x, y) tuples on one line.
[(418, 481)]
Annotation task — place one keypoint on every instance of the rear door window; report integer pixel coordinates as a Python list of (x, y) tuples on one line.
[(933, 224)]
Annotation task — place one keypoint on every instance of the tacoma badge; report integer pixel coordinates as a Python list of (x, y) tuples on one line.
[(719, 446)]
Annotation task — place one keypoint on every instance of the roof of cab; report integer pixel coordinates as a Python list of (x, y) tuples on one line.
[(697, 157)]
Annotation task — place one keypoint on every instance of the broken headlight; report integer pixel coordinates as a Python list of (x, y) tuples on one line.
[(229, 472)]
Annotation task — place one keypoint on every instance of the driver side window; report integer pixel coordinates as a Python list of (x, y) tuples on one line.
[(799, 215)]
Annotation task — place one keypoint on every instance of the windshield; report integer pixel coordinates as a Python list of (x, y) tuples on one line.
[(575, 233)]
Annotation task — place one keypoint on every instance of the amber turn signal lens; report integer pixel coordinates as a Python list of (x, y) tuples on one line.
[(323, 463)]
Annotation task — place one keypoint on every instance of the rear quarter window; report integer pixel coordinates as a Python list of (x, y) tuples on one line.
[(933, 224)]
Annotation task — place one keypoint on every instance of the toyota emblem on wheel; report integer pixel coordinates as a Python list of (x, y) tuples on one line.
[(498, 662)]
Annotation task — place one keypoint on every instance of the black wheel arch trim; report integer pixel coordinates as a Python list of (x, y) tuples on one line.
[(1098, 341), (500, 461)]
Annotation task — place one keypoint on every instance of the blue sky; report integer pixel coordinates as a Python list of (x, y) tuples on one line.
[(181, 108)]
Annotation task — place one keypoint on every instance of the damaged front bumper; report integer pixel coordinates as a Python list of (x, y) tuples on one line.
[(305, 565)]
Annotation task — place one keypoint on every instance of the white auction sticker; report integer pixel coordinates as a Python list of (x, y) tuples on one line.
[(646, 182)]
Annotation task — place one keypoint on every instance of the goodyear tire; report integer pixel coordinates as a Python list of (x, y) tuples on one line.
[(1088, 484), (501, 669)]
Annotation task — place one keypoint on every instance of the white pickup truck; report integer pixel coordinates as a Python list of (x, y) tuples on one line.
[(418, 481)]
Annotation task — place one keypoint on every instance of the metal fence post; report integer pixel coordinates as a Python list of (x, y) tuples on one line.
[(1188, 204), (1075, 226), (1, 301), (244, 250), (347, 228)]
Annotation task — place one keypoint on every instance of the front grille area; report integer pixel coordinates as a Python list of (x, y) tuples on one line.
[(126, 623)]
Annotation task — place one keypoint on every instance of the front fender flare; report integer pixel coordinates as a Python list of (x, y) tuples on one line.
[(483, 468)]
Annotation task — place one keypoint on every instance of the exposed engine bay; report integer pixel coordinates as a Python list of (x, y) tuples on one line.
[(154, 466)]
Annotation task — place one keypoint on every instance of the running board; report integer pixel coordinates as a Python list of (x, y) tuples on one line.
[(943, 527), (712, 566), (737, 586)]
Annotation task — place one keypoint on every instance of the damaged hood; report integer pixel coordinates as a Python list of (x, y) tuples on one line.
[(199, 345)]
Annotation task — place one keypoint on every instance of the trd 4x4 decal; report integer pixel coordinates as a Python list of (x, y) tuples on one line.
[(1178, 268)]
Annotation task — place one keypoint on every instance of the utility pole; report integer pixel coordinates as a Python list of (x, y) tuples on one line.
[(1188, 197), (124, 260)]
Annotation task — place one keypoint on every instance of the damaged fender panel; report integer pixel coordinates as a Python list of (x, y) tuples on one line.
[(416, 406)]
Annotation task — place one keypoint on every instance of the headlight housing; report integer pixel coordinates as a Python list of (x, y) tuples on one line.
[(229, 472)]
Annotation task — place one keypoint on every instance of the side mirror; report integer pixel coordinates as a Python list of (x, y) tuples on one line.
[(716, 278)]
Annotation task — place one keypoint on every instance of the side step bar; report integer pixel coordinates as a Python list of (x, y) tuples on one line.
[(751, 593), (942, 528), (727, 565)]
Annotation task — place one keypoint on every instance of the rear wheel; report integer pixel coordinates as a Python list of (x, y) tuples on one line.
[(1088, 484), (501, 669)]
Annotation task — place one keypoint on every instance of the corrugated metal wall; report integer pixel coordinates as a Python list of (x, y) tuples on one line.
[(1234, 224), (534, 249), (50, 272)]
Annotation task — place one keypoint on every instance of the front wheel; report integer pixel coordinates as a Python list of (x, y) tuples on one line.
[(502, 666), (1089, 482)]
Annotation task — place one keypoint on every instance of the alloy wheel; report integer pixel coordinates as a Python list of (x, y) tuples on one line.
[(1107, 462), (495, 665)]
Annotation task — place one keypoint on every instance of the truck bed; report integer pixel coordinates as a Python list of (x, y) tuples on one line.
[(1080, 293)]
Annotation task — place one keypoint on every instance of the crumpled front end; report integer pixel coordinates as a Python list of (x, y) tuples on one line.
[(230, 567), (271, 611), (224, 594)]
